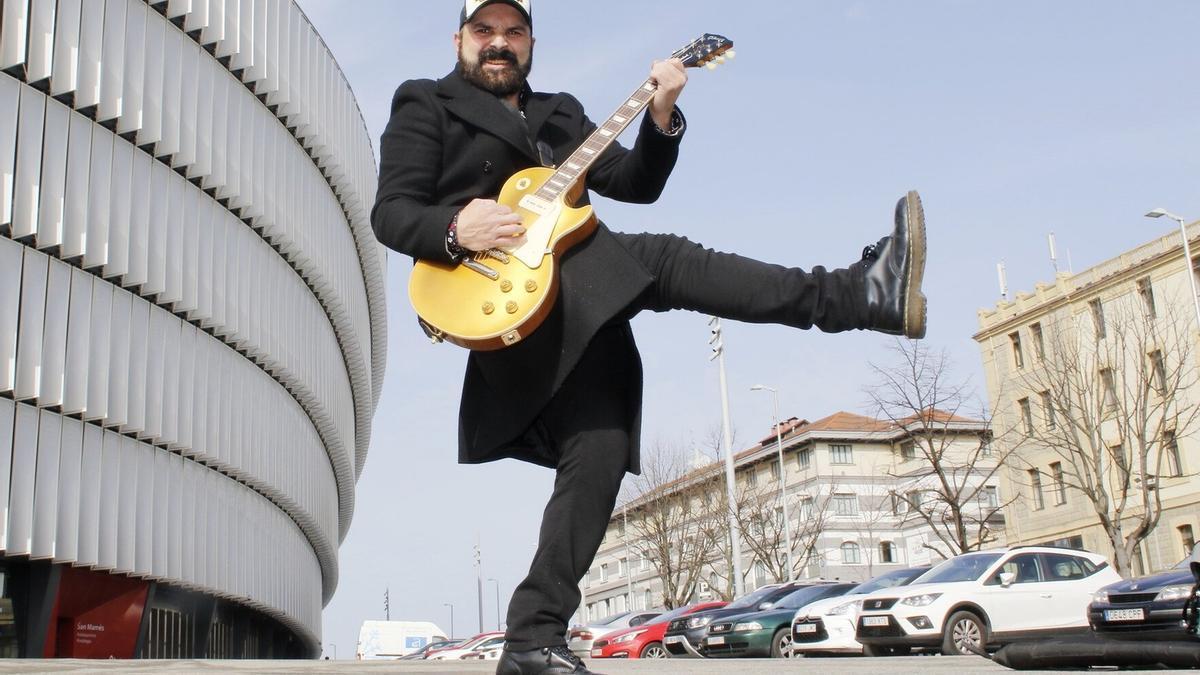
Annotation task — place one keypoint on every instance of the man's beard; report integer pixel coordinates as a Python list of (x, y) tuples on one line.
[(506, 82)]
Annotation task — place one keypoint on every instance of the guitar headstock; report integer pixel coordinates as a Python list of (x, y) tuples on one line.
[(706, 50)]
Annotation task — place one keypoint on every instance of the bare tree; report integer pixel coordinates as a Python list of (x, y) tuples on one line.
[(948, 491), (670, 514), (760, 517), (874, 513), (1113, 389)]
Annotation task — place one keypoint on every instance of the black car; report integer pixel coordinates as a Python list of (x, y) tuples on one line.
[(685, 635), (1144, 608)]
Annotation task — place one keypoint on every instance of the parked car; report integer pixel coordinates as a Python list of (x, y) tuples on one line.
[(645, 641), (431, 647), (489, 651), (827, 626), (580, 639), (984, 599), (685, 635), (471, 644), (1149, 607), (767, 632)]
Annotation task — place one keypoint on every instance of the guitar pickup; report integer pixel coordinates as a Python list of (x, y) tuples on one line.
[(497, 254), (481, 268)]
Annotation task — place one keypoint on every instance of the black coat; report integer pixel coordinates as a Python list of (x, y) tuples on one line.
[(449, 142)]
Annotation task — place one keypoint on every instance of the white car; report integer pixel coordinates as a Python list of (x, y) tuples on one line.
[(828, 625), (478, 643), (982, 599)]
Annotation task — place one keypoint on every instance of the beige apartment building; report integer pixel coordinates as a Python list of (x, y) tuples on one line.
[(1110, 355), (850, 484)]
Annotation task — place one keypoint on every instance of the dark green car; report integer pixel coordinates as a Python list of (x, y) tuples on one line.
[(767, 632)]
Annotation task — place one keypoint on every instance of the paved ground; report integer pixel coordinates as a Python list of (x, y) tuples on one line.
[(924, 665)]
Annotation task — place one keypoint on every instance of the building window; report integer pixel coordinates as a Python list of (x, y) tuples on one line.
[(1147, 292), (603, 571), (1109, 383), (778, 518), (1170, 448), (851, 555), (914, 500), (587, 579), (621, 527), (908, 450), (760, 574), (887, 552), (620, 603), (1060, 484), (1035, 484), (991, 497), (623, 567), (899, 506), (841, 454), (1039, 343), (1098, 318), (647, 600), (644, 564), (1159, 367), (845, 505), (804, 458), (774, 470), (806, 509), (1026, 416), (1187, 538), (1048, 410), (752, 477), (1018, 357)]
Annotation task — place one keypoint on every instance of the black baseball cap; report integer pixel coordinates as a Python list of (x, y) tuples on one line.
[(472, 6)]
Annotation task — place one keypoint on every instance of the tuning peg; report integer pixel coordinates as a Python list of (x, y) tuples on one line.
[(730, 54), (721, 59), (711, 65)]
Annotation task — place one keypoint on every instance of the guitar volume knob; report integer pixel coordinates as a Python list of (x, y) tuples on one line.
[(488, 308), (505, 286), (530, 286), (510, 307)]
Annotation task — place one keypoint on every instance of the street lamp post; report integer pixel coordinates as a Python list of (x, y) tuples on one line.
[(497, 602), (735, 535), (446, 604), (787, 527), (1187, 252)]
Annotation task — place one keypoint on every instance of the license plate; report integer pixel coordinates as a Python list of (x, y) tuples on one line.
[(596, 653), (1125, 614), (875, 621), (673, 639), (719, 640), (806, 628)]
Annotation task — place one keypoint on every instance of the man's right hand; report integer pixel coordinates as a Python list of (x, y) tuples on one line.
[(486, 223)]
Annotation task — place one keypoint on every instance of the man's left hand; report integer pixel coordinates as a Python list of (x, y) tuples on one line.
[(670, 76)]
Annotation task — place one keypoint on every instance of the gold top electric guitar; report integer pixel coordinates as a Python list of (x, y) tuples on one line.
[(495, 298)]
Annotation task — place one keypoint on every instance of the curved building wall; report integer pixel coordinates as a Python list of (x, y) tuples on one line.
[(192, 320)]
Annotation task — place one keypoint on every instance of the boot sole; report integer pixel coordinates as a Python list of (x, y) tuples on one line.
[(915, 305)]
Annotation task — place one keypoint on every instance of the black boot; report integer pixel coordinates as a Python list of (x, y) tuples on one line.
[(544, 661), (893, 271)]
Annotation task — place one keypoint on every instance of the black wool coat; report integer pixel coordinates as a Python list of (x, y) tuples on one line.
[(448, 142)]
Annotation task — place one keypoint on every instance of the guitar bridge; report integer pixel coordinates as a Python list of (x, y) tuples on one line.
[(497, 254)]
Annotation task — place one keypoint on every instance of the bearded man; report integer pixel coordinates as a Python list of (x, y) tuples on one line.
[(568, 396)]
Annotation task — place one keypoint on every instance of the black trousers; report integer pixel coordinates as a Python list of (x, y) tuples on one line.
[(584, 424)]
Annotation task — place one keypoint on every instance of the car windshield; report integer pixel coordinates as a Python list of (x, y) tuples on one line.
[(962, 568), (803, 596), (752, 599), (673, 614), (889, 580)]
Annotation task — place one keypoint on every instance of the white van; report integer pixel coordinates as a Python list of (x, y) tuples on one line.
[(393, 639)]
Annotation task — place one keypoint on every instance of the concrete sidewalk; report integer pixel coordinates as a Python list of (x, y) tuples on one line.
[(924, 665)]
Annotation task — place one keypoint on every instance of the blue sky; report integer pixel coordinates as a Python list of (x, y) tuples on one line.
[(1013, 120)]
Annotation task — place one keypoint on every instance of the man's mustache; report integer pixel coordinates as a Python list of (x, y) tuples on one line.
[(498, 54)]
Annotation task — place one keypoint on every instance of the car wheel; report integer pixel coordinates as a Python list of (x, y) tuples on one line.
[(654, 650), (963, 631), (781, 644)]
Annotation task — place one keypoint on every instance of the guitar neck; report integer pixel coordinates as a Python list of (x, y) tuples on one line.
[(587, 153)]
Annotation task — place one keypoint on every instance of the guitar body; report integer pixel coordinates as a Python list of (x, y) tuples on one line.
[(464, 306)]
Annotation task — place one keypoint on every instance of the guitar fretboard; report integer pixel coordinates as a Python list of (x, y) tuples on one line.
[(587, 153)]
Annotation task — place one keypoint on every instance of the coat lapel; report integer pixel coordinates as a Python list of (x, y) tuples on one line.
[(481, 109)]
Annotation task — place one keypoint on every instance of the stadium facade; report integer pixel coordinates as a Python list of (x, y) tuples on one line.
[(192, 327)]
